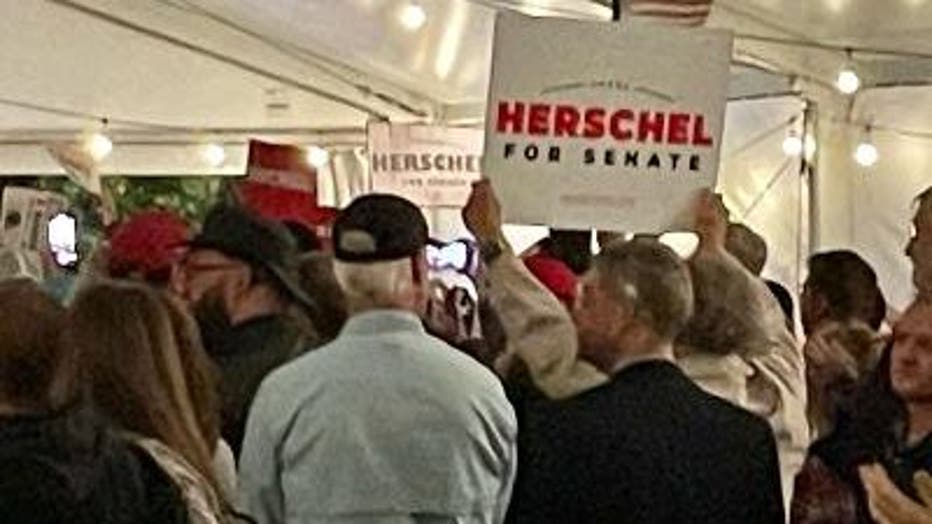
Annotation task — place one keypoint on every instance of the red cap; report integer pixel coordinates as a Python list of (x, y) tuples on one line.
[(147, 244), (555, 276)]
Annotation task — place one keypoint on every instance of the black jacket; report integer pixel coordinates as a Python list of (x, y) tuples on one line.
[(649, 447), (67, 468), (245, 355)]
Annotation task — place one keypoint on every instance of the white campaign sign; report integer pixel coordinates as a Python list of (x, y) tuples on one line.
[(432, 166), (603, 125), (26, 215)]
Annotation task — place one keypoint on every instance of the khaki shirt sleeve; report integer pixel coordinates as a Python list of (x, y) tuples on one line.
[(540, 331)]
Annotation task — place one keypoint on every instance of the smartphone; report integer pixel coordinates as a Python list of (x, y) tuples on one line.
[(459, 256), (62, 232)]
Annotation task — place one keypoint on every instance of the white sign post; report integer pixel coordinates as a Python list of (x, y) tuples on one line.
[(603, 125), (432, 166)]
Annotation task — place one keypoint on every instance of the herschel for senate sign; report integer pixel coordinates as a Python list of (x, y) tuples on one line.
[(604, 125), (432, 166)]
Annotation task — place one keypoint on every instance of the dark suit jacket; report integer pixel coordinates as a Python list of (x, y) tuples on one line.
[(648, 447)]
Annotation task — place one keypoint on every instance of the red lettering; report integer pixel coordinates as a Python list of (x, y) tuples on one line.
[(700, 133), (595, 123), (566, 121), (678, 129), (510, 119), (616, 122), (651, 125), (538, 119)]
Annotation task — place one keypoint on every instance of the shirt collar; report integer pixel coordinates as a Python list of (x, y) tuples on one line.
[(383, 321)]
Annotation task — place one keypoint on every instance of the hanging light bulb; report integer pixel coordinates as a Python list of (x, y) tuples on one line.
[(317, 157), (792, 144), (866, 153), (214, 155), (99, 146), (412, 17), (848, 81)]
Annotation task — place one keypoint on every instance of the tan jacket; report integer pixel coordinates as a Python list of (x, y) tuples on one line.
[(540, 331)]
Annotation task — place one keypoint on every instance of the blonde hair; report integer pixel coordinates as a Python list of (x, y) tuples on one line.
[(376, 285)]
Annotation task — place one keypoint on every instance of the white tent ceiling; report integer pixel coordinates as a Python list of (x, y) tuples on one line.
[(207, 64), (172, 74)]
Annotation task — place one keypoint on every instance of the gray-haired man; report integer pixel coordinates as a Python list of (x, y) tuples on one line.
[(386, 424)]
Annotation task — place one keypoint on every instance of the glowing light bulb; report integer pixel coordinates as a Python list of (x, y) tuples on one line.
[(99, 146), (866, 154), (848, 81), (413, 17), (792, 145), (214, 155), (317, 157)]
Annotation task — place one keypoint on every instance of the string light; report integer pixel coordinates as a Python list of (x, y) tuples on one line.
[(848, 81), (99, 146), (317, 157), (792, 144), (412, 17), (214, 155), (866, 153)]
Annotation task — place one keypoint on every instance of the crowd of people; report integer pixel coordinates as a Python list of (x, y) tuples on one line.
[(250, 372)]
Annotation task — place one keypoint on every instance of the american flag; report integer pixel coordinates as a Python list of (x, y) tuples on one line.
[(680, 12)]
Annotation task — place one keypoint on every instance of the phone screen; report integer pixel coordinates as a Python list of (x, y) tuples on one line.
[(457, 256), (63, 239)]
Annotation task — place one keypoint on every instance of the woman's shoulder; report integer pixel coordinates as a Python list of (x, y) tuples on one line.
[(73, 468), (194, 492)]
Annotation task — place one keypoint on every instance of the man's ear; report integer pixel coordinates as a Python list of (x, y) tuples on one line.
[(419, 269)]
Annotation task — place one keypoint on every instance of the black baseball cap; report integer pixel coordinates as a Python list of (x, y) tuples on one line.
[(241, 234), (377, 228)]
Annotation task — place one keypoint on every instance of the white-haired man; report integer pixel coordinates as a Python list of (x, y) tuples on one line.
[(386, 424)]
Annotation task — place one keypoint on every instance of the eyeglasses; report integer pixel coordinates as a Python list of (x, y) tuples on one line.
[(188, 266)]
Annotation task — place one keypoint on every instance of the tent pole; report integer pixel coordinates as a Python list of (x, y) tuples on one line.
[(815, 211)]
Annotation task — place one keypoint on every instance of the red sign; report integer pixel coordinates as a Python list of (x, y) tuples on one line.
[(280, 185)]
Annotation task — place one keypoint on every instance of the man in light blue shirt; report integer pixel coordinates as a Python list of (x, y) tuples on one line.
[(386, 424)]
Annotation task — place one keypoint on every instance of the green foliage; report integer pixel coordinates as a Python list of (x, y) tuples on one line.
[(190, 197)]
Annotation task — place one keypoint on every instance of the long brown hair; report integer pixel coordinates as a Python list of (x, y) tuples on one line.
[(132, 367), (32, 361), (200, 373)]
